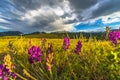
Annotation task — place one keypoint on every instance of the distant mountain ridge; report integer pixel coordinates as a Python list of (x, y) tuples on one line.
[(10, 33), (35, 33), (18, 33)]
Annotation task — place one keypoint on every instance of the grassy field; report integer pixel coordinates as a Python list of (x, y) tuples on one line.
[(97, 59)]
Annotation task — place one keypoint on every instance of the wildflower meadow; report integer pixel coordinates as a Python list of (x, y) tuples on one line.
[(60, 59)]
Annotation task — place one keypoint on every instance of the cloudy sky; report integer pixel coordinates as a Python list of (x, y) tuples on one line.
[(58, 15)]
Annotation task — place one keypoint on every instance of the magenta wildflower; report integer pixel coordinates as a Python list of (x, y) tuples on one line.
[(35, 54), (13, 75), (78, 47), (1, 73), (66, 43), (114, 36), (117, 34), (5, 78), (5, 73)]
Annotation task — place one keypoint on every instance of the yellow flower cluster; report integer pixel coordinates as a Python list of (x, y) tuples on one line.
[(7, 62), (49, 61)]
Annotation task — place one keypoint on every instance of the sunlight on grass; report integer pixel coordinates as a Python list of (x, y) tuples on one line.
[(96, 59)]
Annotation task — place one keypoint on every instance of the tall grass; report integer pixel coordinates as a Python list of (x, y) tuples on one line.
[(98, 60)]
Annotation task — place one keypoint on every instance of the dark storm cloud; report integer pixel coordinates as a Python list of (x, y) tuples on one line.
[(26, 4), (82, 4), (44, 21), (107, 8), (103, 7), (35, 4)]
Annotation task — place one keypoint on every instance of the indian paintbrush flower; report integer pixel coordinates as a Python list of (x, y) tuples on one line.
[(66, 43), (49, 57), (78, 47), (35, 54)]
